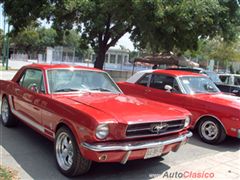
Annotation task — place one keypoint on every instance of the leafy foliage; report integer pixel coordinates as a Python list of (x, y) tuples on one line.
[(161, 25), (217, 49), (101, 22), (181, 23), (26, 40)]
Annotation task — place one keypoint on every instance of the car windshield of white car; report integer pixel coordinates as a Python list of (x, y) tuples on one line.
[(65, 80), (196, 85)]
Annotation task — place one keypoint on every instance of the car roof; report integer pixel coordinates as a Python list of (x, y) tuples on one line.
[(177, 73), (229, 74), (197, 69), (173, 73), (60, 66)]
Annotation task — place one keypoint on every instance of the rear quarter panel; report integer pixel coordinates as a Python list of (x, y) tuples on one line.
[(6, 88)]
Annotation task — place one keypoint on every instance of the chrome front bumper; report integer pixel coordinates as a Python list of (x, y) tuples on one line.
[(130, 146)]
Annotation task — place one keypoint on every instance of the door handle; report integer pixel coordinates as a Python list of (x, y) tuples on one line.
[(17, 91), (235, 91), (147, 90), (36, 108)]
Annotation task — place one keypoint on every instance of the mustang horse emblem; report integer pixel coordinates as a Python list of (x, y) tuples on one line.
[(157, 128)]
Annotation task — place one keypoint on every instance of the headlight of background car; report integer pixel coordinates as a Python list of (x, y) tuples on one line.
[(187, 121), (102, 131)]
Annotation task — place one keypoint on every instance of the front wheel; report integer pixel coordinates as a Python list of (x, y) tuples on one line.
[(69, 159), (211, 131)]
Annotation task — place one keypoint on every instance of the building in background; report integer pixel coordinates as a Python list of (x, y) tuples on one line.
[(115, 59)]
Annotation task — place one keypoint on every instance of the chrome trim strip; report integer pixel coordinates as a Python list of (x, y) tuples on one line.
[(27, 120), (183, 91), (76, 68), (153, 135), (145, 129), (129, 146), (133, 123)]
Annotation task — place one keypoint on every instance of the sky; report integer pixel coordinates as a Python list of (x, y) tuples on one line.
[(125, 42)]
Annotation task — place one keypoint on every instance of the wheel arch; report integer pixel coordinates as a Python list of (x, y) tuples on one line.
[(208, 116), (68, 125), (3, 95)]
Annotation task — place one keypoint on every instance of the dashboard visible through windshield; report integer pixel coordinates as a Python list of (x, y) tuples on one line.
[(65, 80), (196, 85)]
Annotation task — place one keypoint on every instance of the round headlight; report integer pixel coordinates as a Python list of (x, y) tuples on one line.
[(102, 131), (187, 121)]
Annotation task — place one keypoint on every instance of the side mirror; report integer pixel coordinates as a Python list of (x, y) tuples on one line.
[(208, 87), (168, 88)]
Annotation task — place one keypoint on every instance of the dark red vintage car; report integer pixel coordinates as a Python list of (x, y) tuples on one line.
[(215, 114), (89, 118)]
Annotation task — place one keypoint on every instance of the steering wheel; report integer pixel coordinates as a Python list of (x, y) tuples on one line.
[(33, 87)]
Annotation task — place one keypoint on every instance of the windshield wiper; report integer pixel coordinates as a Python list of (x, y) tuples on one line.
[(67, 90), (101, 89)]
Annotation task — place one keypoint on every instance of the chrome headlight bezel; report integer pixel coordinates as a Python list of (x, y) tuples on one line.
[(187, 121), (102, 131)]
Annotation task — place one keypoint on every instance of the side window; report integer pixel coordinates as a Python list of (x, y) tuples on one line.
[(237, 80), (32, 78), (20, 81), (160, 81), (225, 79), (144, 80)]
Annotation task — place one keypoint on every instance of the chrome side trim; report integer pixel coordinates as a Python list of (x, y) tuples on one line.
[(129, 146), (27, 120)]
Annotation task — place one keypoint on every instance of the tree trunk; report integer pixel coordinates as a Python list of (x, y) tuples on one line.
[(100, 58)]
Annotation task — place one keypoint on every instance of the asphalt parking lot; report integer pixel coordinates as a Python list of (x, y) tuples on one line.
[(32, 156)]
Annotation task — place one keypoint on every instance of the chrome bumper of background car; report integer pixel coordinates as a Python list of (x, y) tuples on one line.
[(129, 146)]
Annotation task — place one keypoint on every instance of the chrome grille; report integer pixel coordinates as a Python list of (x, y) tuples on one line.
[(154, 128)]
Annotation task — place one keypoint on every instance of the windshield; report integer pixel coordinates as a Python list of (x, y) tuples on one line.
[(66, 80), (213, 76), (196, 85)]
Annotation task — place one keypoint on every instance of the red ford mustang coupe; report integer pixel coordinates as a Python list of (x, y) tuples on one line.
[(215, 114), (89, 118)]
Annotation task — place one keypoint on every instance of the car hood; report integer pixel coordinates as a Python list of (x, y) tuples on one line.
[(126, 109), (221, 99)]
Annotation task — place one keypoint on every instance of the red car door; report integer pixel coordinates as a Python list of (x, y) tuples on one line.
[(27, 96), (139, 89), (157, 91)]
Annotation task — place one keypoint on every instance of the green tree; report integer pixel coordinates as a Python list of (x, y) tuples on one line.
[(102, 22), (26, 40), (220, 50), (1, 38), (46, 38), (163, 24)]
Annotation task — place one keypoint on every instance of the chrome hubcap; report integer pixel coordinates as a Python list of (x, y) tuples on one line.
[(5, 111), (64, 151), (209, 130)]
